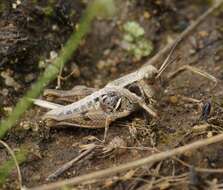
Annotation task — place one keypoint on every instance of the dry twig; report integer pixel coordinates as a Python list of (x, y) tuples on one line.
[(69, 164)]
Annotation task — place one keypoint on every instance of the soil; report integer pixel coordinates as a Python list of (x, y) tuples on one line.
[(34, 30)]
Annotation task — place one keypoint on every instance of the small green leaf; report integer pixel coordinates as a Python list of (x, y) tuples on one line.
[(134, 29), (138, 45), (128, 38)]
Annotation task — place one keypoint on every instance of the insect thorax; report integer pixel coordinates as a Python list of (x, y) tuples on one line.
[(112, 102)]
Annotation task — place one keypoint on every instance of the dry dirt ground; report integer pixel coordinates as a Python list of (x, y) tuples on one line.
[(33, 29)]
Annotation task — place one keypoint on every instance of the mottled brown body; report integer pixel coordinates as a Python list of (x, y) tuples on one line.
[(110, 107)]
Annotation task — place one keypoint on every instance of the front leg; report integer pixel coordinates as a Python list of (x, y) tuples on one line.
[(112, 117), (135, 99), (142, 89), (69, 96), (148, 90)]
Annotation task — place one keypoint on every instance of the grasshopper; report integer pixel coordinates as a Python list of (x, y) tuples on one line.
[(90, 95), (92, 108), (103, 107)]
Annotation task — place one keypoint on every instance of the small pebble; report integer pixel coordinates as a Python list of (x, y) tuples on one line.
[(192, 51), (7, 109), (114, 70), (75, 70), (42, 64), (25, 125), (14, 6), (5, 92), (36, 177), (9, 81), (203, 34), (55, 27), (30, 77), (173, 99), (146, 15), (53, 55), (217, 58), (210, 134), (101, 65)]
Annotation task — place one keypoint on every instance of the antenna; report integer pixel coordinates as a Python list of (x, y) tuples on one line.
[(166, 61)]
